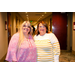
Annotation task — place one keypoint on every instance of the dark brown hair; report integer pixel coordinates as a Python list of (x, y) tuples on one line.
[(44, 24)]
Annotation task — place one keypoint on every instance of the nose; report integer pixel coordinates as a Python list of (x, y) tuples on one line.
[(26, 27)]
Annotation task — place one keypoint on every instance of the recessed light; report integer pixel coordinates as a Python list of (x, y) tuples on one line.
[(26, 12), (26, 15), (63, 12), (45, 12), (42, 15)]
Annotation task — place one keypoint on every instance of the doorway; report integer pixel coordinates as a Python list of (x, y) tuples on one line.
[(9, 25), (59, 28)]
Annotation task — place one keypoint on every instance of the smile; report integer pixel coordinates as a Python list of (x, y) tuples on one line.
[(41, 30), (25, 29)]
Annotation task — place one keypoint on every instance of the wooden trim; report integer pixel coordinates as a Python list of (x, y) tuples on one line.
[(73, 52)]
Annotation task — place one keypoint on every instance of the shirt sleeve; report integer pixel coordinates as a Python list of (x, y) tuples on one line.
[(12, 48), (55, 44), (56, 58)]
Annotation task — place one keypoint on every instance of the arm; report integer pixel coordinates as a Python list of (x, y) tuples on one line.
[(12, 48), (56, 51), (55, 47), (56, 58)]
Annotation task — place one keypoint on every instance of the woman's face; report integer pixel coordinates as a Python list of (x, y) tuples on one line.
[(42, 29), (26, 28)]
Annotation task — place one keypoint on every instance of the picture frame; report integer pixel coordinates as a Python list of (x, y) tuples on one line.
[(5, 25)]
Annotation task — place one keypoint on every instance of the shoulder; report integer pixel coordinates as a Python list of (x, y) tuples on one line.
[(15, 36), (52, 37), (51, 34), (35, 37)]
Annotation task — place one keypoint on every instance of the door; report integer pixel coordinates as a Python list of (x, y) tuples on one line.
[(59, 28), (9, 25)]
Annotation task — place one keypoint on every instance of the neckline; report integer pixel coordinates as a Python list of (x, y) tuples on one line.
[(42, 35), (27, 38)]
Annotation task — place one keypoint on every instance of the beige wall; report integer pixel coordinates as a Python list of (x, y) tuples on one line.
[(69, 31), (15, 16), (47, 20), (73, 33), (3, 34)]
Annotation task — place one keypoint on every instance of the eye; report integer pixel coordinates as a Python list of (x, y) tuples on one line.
[(28, 26), (41, 26), (24, 25)]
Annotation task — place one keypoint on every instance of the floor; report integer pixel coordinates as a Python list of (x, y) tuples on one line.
[(66, 56)]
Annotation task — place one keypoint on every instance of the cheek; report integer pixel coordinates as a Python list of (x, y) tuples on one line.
[(29, 29), (45, 29), (42, 29)]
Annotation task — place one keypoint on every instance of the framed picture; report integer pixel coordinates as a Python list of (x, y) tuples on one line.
[(5, 25)]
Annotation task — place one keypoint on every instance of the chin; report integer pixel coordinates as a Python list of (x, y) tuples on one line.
[(25, 32), (41, 31)]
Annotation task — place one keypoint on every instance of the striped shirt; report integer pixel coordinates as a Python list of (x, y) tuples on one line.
[(47, 47)]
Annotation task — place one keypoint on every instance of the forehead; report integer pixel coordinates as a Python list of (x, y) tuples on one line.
[(40, 24), (26, 24)]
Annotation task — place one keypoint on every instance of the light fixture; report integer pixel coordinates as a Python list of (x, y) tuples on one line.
[(63, 12), (26, 12), (42, 15), (45, 12), (27, 18), (26, 15)]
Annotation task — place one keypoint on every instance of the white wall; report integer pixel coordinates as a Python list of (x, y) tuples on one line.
[(3, 34)]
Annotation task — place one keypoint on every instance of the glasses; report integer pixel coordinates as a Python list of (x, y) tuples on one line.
[(41, 26), (26, 26)]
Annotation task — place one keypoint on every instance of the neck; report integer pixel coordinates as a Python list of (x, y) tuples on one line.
[(26, 36), (42, 34)]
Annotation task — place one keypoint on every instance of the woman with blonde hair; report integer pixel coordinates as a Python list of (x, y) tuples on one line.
[(22, 47)]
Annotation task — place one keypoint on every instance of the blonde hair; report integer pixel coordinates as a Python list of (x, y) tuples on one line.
[(21, 35)]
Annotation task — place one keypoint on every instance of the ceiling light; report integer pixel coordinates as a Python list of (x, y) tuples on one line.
[(63, 12), (27, 18), (45, 12), (26, 15), (42, 15), (26, 12)]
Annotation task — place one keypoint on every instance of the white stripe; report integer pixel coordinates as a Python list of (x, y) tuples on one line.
[(44, 53), (44, 57)]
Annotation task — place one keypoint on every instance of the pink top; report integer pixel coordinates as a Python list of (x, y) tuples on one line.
[(26, 53)]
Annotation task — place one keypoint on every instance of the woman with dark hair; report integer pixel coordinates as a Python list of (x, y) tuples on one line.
[(48, 48)]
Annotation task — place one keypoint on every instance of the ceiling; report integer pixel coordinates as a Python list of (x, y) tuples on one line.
[(34, 16)]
